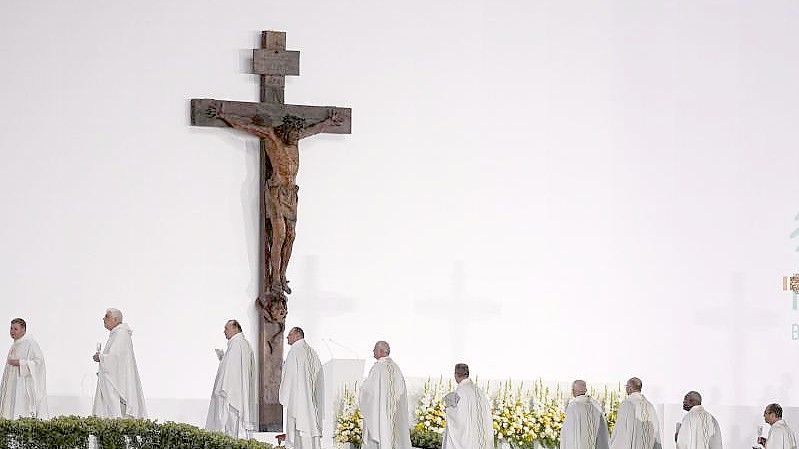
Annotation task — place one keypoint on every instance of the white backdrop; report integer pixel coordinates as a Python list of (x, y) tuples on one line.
[(590, 190)]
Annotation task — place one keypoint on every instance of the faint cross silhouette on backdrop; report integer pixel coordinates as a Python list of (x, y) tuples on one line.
[(459, 310)]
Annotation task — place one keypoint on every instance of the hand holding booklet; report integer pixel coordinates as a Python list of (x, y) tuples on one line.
[(451, 399)]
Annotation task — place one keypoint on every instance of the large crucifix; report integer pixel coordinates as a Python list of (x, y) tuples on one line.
[(279, 127)]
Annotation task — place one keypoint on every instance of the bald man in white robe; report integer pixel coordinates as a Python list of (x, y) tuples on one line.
[(699, 429), (384, 404), (234, 399), (780, 436), (637, 425), (585, 426)]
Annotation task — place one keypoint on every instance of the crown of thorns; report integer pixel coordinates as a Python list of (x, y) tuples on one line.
[(293, 122)]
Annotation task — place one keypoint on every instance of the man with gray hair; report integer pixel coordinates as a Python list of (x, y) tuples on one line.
[(699, 429), (780, 436), (585, 426), (119, 393), (384, 404), (469, 420), (637, 425)]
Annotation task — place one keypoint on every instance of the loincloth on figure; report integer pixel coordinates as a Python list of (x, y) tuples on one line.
[(283, 200)]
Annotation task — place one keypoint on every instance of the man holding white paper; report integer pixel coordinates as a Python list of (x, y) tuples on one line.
[(234, 399), (119, 393), (23, 392), (780, 436)]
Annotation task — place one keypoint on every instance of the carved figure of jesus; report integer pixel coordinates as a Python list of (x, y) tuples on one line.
[(281, 189)]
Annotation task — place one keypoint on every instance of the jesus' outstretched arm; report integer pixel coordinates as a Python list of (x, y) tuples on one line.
[(333, 119), (260, 131)]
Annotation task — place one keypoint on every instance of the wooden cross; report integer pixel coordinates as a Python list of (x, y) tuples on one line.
[(279, 127)]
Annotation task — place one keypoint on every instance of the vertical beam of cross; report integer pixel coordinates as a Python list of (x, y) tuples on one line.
[(270, 334)]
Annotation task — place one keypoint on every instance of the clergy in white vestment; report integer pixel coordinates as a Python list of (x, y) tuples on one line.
[(780, 436), (585, 426), (699, 429), (23, 392), (384, 404), (119, 393), (469, 420), (637, 425), (302, 393), (234, 399)]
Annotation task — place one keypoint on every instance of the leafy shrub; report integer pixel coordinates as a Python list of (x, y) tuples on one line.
[(72, 432)]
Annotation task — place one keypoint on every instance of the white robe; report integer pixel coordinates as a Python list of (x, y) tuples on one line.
[(637, 425), (23, 391), (384, 404), (469, 422), (699, 430), (585, 426), (234, 399), (302, 393), (780, 436), (119, 393)]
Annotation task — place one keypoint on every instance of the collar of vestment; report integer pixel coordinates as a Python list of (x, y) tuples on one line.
[(582, 397), (385, 359), (299, 343), (697, 409), (20, 339), (238, 335), (121, 327), (465, 381)]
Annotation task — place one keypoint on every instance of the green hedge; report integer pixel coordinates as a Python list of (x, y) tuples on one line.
[(72, 432)]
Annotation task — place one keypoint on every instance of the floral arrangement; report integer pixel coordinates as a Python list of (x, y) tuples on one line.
[(513, 419), (431, 417), (430, 414), (547, 409), (349, 421)]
